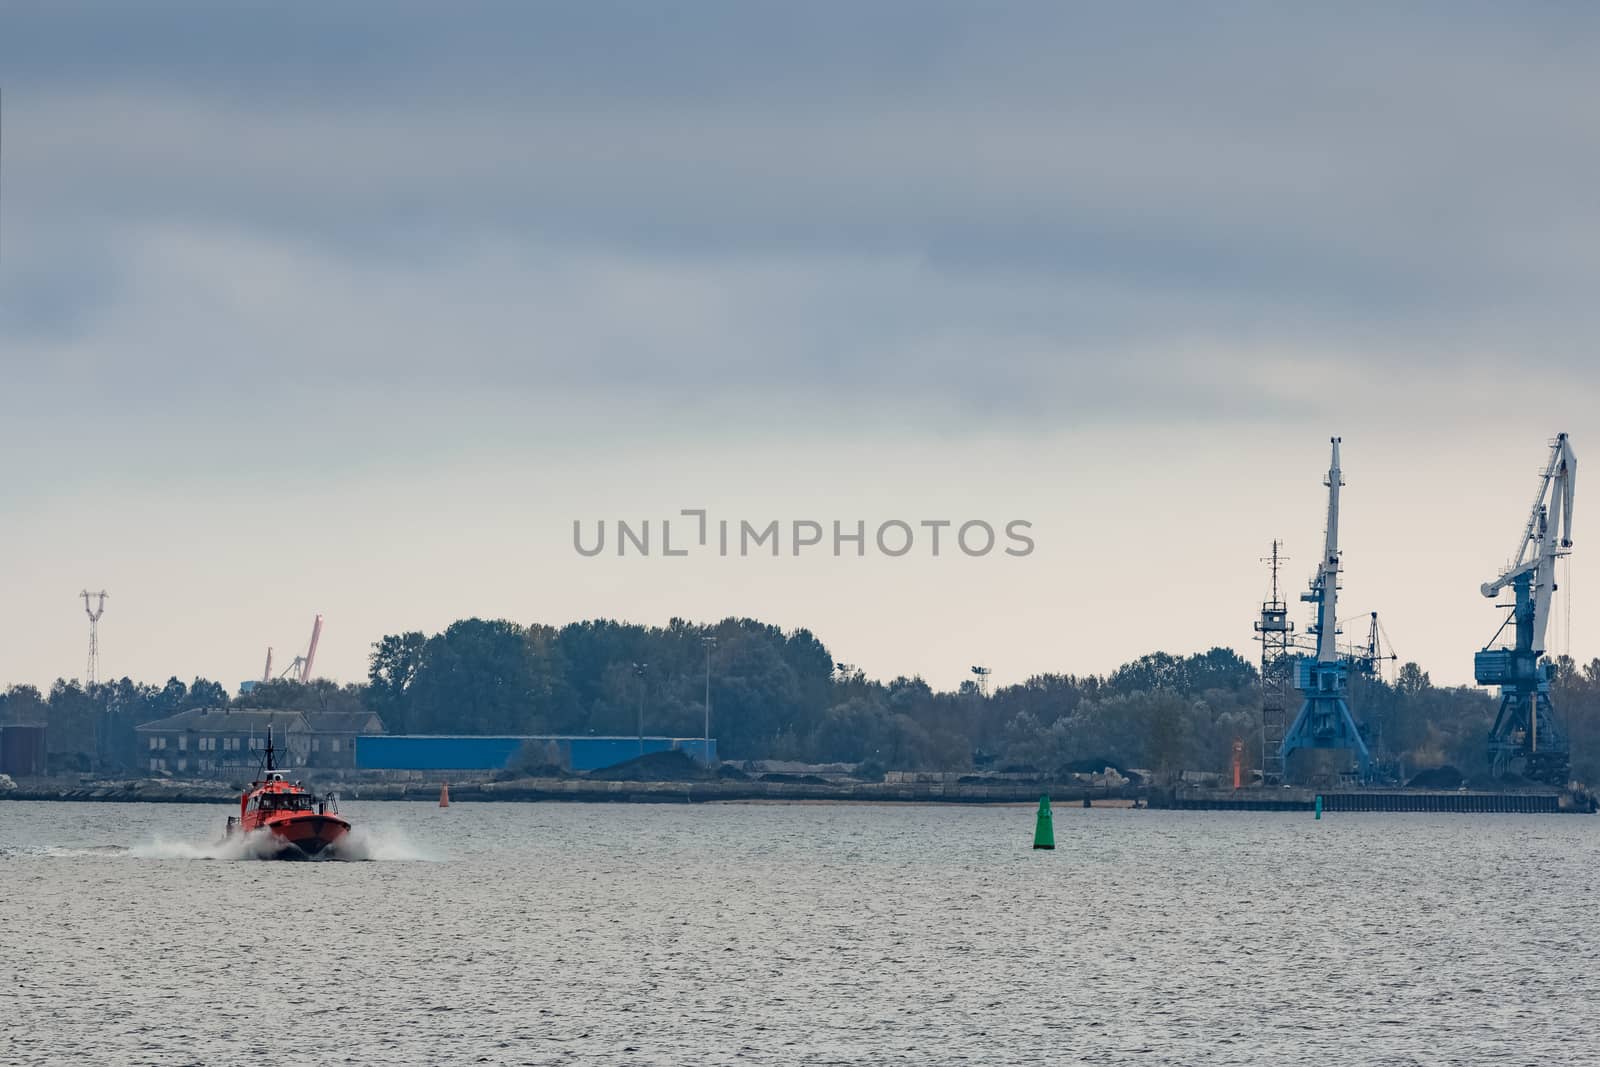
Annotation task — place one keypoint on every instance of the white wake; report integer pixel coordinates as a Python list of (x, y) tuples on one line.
[(256, 845), (385, 844)]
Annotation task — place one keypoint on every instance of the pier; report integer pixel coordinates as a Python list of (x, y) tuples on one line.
[(1465, 802)]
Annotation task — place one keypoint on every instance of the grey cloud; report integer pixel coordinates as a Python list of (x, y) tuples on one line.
[(884, 205)]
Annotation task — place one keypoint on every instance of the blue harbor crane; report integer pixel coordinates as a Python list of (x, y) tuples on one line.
[(1526, 728), (1322, 680)]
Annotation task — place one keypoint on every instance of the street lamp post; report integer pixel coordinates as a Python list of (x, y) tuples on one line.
[(638, 670), (705, 751)]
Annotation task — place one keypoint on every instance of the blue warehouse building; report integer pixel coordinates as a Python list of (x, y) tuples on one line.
[(418, 752)]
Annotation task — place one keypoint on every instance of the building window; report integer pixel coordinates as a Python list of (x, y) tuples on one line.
[(334, 744), (152, 749), (163, 743), (155, 763), (316, 744), (183, 744), (183, 764)]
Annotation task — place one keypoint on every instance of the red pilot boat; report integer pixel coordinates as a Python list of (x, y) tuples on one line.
[(302, 821)]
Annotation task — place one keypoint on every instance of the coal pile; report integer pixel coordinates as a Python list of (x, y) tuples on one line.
[(652, 767), (1446, 777)]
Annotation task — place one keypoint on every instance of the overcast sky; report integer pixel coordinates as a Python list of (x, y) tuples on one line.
[(356, 311)]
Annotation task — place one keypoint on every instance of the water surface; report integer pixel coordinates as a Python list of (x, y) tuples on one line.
[(800, 934)]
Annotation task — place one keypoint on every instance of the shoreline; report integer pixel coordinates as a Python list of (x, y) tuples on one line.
[(706, 791), (587, 791)]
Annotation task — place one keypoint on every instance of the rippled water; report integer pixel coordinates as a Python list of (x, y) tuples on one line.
[(804, 934)]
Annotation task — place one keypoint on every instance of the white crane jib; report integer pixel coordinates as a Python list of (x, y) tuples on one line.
[(1324, 721), (1546, 538), (1325, 586)]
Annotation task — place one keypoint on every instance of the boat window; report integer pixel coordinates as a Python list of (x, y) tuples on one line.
[(288, 801)]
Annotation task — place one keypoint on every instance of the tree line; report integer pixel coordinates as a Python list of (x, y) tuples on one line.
[(782, 695)]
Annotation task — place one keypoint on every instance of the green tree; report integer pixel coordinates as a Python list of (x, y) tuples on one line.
[(23, 704), (72, 722), (475, 678), (392, 668)]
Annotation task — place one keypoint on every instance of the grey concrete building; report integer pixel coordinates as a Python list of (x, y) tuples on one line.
[(205, 741)]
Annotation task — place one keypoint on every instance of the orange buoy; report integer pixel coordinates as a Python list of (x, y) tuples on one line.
[(444, 794)]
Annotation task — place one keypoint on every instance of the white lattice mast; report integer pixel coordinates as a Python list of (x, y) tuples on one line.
[(92, 675)]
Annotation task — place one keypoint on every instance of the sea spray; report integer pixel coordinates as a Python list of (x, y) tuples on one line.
[(384, 844), (256, 845)]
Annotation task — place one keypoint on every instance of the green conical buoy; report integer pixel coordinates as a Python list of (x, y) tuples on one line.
[(1044, 832)]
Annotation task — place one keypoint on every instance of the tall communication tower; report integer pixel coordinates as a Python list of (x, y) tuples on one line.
[(1275, 632), (92, 675)]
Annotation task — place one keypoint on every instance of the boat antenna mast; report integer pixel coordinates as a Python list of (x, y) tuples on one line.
[(268, 763)]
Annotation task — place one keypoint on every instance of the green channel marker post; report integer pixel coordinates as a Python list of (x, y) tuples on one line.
[(1044, 832), (1319, 805)]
